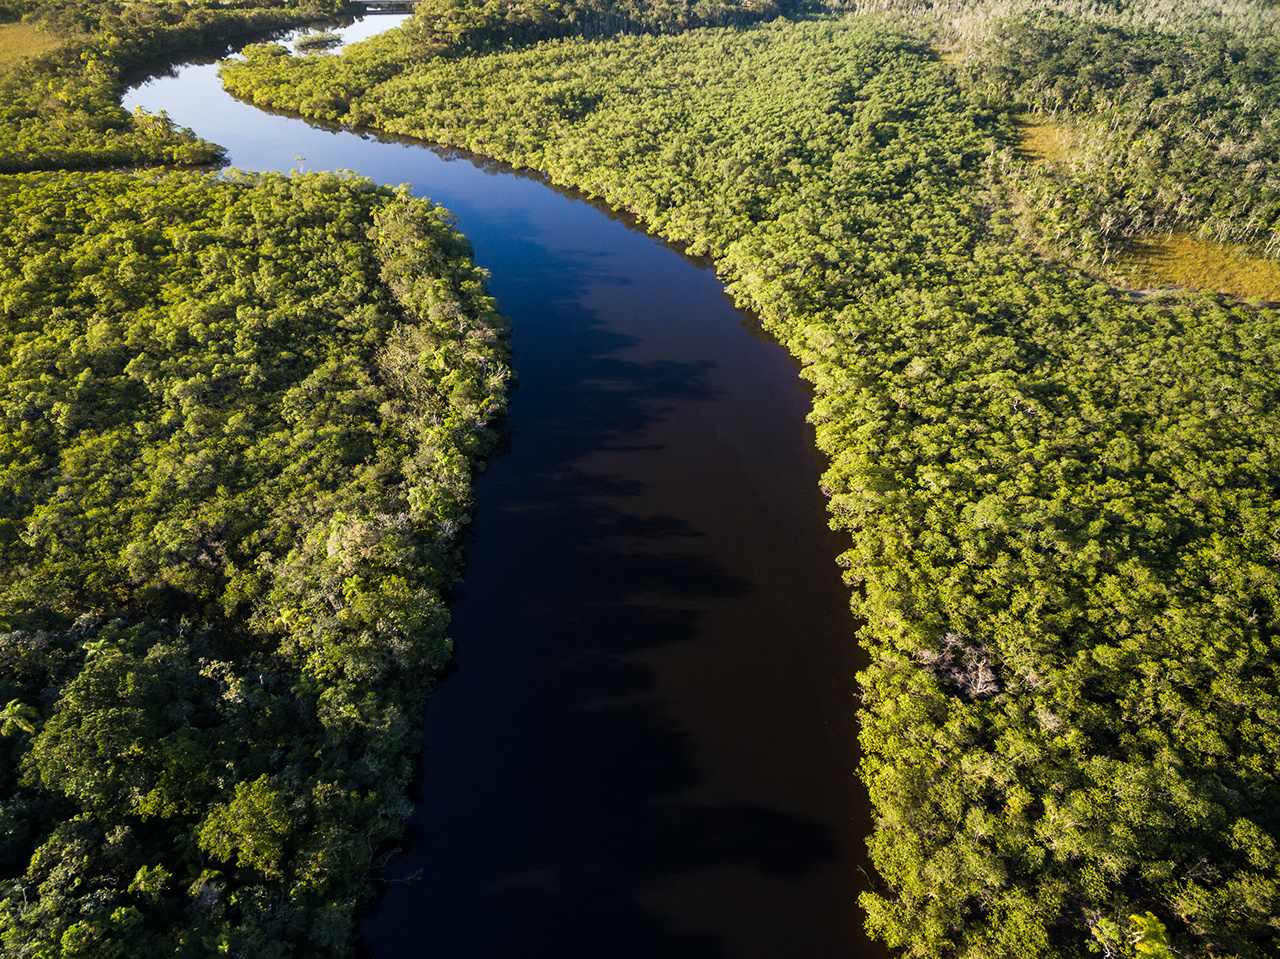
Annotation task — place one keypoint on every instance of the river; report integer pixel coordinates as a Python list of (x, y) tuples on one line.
[(646, 746)]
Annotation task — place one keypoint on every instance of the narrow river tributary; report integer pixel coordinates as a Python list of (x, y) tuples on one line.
[(647, 745)]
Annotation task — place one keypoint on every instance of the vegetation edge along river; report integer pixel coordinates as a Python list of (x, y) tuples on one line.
[(1071, 716), (241, 416), (1061, 496)]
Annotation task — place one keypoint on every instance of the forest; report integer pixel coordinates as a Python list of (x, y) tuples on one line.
[(241, 416), (447, 28), (1174, 130), (61, 109), (1060, 495)]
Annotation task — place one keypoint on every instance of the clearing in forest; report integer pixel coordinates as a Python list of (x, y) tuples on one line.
[(1182, 260), (1044, 141), (19, 40)]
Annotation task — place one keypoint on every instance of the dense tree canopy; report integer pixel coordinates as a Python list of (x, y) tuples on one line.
[(62, 110), (451, 27), (1174, 130), (1062, 498), (240, 420), (241, 415)]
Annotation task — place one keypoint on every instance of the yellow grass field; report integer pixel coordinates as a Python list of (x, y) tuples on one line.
[(1181, 260), (1044, 142), (18, 40)]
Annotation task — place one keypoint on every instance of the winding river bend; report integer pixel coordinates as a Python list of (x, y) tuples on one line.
[(647, 745)]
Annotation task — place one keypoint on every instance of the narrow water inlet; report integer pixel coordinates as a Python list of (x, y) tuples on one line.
[(647, 746)]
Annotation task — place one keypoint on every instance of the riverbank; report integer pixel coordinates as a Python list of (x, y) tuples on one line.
[(242, 416), (1057, 496), (653, 644)]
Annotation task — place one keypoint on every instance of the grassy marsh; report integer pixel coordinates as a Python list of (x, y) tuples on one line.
[(1044, 141), (19, 40), (1182, 260)]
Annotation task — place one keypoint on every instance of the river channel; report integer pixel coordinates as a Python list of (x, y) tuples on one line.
[(647, 744)]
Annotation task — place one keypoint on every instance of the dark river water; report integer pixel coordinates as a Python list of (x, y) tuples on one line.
[(648, 745)]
